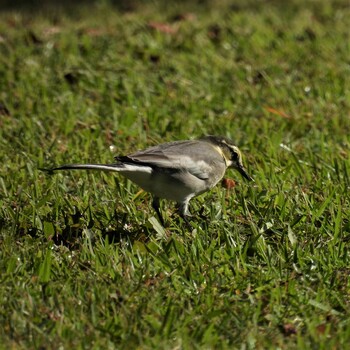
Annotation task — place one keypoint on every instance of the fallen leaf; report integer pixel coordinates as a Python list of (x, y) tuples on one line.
[(163, 27), (321, 329), (94, 32), (51, 31), (277, 112), (228, 183), (289, 329)]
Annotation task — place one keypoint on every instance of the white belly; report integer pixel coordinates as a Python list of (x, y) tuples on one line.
[(174, 186)]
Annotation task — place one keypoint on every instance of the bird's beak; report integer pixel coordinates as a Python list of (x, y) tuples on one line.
[(244, 173)]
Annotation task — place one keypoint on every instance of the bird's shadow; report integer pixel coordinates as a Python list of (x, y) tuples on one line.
[(78, 225)]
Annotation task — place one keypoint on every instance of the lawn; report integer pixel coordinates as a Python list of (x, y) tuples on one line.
[(84, 262)]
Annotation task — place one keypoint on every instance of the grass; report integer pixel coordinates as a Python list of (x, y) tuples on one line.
[(83, 260)]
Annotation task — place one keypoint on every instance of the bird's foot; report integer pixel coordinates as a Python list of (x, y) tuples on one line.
[(156, 206)]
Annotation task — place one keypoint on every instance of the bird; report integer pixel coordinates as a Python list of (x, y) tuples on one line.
[(176, 171)]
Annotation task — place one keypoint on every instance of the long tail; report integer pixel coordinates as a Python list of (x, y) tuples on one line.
[(103, 167), (117, 167)]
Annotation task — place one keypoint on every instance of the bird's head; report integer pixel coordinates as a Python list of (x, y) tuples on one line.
[(230, 152)]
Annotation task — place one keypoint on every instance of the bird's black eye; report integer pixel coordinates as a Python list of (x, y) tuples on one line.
[(234, 155)]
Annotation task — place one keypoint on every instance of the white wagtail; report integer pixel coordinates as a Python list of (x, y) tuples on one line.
[(177, 170)]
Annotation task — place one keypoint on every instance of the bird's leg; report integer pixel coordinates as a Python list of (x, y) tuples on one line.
[(184, 213), (156, 206), (201, 214), (187, 221)]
